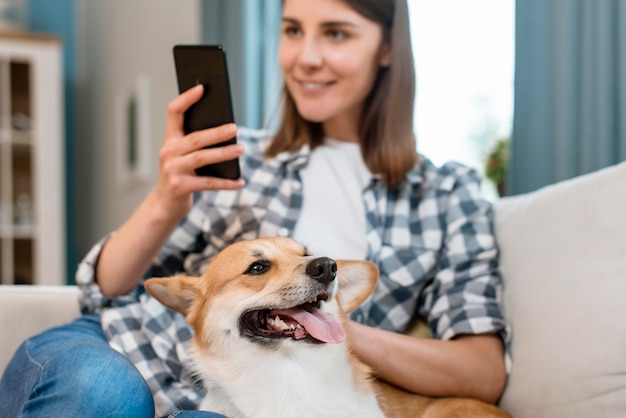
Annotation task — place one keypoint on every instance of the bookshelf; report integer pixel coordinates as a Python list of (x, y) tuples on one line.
[(32, 166)]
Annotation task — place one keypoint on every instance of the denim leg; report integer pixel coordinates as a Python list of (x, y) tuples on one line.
[(70, 371)]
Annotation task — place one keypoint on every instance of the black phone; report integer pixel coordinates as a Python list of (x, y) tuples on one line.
[(206, 64)]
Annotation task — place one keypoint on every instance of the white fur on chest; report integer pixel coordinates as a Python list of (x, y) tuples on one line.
[(295, 380)]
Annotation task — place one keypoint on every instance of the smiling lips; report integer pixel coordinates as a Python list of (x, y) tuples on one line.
[(313, 85)]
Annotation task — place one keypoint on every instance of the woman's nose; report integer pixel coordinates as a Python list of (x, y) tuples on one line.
[(311, 53)]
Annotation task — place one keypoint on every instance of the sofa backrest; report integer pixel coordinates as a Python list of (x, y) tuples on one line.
[(563, 259)]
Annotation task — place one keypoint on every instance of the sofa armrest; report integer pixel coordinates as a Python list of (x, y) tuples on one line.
[(27, 310)]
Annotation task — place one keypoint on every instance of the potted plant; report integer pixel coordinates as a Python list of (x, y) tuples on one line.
[(497, 164)]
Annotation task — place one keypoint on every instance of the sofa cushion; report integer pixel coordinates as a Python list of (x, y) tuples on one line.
[(564, 270), (27, 310)]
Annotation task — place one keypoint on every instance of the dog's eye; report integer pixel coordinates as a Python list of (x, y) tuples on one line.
[(258, 267)]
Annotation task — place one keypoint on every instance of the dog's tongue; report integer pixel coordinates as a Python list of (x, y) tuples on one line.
[(320, 325)]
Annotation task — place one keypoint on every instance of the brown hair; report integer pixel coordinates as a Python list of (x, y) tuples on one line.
[(386, 129)]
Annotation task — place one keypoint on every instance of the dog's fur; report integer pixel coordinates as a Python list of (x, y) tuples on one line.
[(252, 370)]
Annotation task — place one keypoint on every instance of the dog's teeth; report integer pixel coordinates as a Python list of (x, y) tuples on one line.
[(278, 323)]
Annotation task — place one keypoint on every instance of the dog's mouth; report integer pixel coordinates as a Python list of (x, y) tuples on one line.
[(305, 322)]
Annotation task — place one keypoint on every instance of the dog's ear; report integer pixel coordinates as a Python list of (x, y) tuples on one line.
[(357, 280), (176, 292)]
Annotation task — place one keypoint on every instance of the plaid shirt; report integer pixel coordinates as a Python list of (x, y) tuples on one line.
[(431, 238)]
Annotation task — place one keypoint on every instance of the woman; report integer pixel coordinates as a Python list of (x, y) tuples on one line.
[(341, 175)]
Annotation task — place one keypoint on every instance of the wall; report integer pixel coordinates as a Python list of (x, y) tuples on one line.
[(117, 43)]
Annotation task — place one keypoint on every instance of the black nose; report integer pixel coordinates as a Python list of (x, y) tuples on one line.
[(322, 269)]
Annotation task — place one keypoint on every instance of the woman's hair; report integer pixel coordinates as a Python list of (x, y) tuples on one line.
[(386, 129)]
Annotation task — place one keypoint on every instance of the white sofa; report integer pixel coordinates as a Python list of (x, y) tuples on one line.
[(564, 268)]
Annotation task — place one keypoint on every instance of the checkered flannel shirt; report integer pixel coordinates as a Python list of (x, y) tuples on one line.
[(432, 240)]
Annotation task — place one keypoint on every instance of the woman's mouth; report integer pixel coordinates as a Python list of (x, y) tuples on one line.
[(314, 86)]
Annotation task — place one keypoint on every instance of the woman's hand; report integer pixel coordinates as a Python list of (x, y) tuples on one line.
[(181, 154), (145, 232)]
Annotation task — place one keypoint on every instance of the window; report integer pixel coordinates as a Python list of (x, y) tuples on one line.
[(464, 55)]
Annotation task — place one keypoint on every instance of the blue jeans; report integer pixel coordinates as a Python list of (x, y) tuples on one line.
[(70, 371)]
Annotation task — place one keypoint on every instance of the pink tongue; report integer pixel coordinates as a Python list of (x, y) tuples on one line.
[(320, 325)]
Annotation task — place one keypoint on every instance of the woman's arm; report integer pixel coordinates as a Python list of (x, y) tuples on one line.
[(460, 302), (128, 254), (470, 365)]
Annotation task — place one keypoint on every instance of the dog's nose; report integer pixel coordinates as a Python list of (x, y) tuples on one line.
[(322, 269)]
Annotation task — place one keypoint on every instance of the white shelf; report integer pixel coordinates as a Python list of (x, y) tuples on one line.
[(21, 137), (32, 166), (18, 231)]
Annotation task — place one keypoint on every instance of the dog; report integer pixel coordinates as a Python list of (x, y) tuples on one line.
[(268, 340)]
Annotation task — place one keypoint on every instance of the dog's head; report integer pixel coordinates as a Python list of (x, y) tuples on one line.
[(268, 291)]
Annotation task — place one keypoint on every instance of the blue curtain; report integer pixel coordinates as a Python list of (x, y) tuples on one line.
[(249, 31), (570, 90)]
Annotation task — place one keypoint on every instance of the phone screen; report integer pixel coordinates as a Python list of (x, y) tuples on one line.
[(206, 64)]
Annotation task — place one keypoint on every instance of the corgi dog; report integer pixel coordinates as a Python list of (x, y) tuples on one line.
[(268, 339)]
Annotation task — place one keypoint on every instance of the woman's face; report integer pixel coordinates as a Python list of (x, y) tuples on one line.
[(330, 55)]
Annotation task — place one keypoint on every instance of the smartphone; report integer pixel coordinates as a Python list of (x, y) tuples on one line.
[(206, 64)]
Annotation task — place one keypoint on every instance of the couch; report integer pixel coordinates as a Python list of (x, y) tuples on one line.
[(564, 269)]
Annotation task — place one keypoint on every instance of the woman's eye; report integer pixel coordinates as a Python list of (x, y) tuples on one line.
[(258, 267), (337, 34), (291, 31)]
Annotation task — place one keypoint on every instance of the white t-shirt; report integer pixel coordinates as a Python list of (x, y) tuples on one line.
[(332, 221)]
